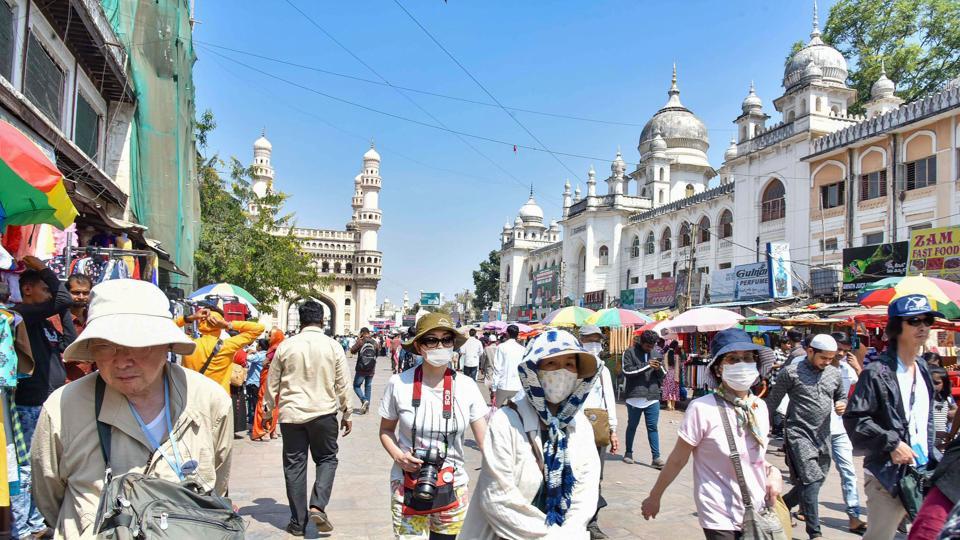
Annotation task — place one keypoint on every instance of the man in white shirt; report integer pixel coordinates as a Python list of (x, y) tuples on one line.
[(506, 378), (470, 355)]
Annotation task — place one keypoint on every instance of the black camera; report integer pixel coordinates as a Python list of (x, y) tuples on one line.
[(426, 487)]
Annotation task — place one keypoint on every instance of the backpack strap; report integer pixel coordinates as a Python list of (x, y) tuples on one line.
[(216, 349), (104, 431)]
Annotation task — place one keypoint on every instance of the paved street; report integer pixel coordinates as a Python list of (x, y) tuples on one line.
[(360, 505)]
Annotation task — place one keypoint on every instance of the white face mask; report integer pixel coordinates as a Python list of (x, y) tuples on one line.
[(740, 376), (593, 348), (557, 384), (438, 357)]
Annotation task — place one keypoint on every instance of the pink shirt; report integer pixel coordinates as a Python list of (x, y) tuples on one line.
[(715, 488)]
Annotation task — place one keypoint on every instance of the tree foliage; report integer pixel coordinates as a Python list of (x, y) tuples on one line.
[(245, 248), (486, 282), (918, 41)]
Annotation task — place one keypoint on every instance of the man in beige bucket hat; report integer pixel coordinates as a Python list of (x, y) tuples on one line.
[(152, 406)]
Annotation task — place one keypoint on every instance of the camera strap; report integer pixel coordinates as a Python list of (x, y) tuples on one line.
[(447, 401)]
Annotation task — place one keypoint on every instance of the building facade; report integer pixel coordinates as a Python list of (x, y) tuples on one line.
[(676, 216), (349, 257)]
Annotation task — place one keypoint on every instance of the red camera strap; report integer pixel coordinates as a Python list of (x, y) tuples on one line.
[(418, 392)]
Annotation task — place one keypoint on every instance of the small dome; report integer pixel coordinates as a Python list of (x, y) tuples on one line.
[(262, 144), (731, 151), (591, 175), (506, 226), (371, 154), (554, 225), (530, 211), (356, 179), (678, 126), (518, 222), (828, 62), (657, 145), (752, 101), (618, 166), (884, 87)]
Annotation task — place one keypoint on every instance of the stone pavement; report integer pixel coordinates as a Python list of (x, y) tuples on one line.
[(360, 509)]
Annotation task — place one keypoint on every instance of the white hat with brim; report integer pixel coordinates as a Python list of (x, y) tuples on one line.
[(130, 313)]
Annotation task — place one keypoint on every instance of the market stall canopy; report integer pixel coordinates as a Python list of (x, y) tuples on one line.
[(617, 317), (568, 316), (943, 295), (701, 320), (223, 290), (31, 186)]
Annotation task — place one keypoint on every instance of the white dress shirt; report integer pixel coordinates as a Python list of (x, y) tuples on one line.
[(470, 352), (505, 375)]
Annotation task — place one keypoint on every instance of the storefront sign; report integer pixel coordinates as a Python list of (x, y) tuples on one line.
[(633, 298), (723, 284), (752, 282), (935, 253), (595, 299), (863, 265), (778, 264), (430, 299), (546, 293), (409, 320), (661, 293)]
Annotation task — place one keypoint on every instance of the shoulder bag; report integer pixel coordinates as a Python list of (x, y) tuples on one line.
[(757, 525), (600, 419), (216, 349)]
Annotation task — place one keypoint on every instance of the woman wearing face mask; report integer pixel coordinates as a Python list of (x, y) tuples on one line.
[(720, 505), (541, 472), (424, 414)]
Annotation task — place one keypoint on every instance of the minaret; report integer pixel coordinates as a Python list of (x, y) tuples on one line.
[(591, 183), (261, 171), (752, 118), (882, 97), (617, 169), (658, 170), (566, 198), (367, 262), (369, 189)]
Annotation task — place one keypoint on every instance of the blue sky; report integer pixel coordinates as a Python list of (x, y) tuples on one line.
[(443, 203)]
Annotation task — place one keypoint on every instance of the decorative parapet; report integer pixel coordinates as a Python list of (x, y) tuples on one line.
[(705, 196), (934, 104), (770, 136), (613, 201)]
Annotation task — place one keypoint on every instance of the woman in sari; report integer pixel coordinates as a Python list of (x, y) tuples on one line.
[(264, 426)]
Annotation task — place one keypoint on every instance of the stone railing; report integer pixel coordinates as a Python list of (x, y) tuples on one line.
[(767, 137), (611, 200), (707, 195), (946, 99)]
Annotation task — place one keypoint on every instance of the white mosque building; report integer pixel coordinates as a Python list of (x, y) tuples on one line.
[(676, 215), (350, 256)]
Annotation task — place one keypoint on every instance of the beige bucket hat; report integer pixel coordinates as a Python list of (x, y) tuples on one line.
[(131, 313)]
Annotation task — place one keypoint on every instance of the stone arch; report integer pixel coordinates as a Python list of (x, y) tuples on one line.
[(330, 315), (913, 151), (773, 200), (867, 162), (831, 163)]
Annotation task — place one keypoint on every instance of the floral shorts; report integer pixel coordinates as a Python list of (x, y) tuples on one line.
[(415, 527)]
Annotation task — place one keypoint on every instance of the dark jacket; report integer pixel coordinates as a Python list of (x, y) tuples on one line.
[(356, 350), (641, 384), (46, 343), (876, 422)]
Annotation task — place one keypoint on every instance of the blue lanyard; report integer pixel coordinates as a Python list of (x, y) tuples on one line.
[(175, 464)]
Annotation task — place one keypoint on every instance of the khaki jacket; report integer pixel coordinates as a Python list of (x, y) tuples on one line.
[(68, 468), (309, 377)]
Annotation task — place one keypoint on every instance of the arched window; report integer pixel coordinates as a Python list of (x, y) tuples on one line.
[(508, 273), (346, 301), (773, 203), (704, 229), (660, 197), (325, 267), (689, 191), (628, 278), (604, 255), (819, 104), (661, 174), (650, 244), (685, 235), (349, 268), (665, 243), (726, 224), (336, 268), (635, 247)]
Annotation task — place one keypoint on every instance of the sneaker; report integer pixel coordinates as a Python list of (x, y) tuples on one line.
[(365, 407), (293, 530), (628, 459), (658, 463), (595, 532), (319, 518)]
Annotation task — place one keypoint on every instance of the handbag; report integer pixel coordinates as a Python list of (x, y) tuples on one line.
[(238, 375), (757, 525), (600, 420), (912, 487)]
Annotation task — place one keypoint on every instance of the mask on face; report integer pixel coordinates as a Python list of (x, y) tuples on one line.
[(593, 348), (438, 357), (740, 376), (557, 384)]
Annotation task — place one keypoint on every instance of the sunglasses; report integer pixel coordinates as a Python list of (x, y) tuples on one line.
[(431, 342), (917, 321)]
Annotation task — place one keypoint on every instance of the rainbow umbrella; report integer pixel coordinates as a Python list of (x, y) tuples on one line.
[(31, 187), (617, 317), (224, 290), (568, 316), (943, 295)]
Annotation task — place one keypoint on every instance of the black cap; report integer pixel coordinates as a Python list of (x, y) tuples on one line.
[(842, 338)]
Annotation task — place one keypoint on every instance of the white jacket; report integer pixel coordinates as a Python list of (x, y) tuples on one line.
[(505, 363), (501, 506)]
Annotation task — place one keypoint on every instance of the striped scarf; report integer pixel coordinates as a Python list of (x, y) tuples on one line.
[(558, 473)]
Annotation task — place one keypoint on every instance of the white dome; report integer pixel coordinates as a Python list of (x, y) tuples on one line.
[(356, 179), (530, 211), (518, 222), (752, 101), (506, 226), (262, 144), (618, 166), (731, 151), (678, 126), (884, 87), (832, 66), (371, 154)]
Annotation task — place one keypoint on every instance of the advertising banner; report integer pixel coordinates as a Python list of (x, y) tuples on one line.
[(863, 265), (546, 290), (409, 320), (633, 298), (430, 299), (661, 293), (723, 284), (935, 253), (778, 267), (595, 299), (752, 282)]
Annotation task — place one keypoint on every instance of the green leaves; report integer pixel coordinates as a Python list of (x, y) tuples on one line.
[(918, 41), (486, 281)]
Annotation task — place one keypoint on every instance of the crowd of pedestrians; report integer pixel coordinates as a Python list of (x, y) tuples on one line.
[(117, 391)]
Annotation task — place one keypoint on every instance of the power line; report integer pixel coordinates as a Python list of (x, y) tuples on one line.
[(401, 92), (482, 87)]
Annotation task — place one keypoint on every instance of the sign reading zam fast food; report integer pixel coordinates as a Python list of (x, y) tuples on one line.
[(935, 253)]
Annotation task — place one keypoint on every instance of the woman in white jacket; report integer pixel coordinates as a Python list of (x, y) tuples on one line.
[(541, 472)]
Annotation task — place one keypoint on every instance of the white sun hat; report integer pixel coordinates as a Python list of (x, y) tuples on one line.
[(131, 313)]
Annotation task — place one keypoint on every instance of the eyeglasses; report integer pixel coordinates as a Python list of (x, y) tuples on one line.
[(431, 342), (917, 321), (112, 350), (746, 356)]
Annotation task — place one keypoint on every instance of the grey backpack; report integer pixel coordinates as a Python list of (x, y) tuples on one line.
[(134, 506)]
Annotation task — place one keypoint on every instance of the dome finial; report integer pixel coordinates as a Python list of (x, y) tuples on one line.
[(531, 190), (816, 22), (883, 69), (263, 132), (673, 80)]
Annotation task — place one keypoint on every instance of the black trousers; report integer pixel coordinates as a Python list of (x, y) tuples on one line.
[(808, 497), (601, 502), (319, 437), (470, 372), (713, 534)]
